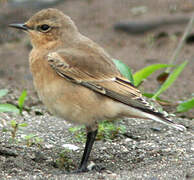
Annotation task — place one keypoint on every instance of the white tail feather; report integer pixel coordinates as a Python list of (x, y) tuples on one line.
[(165, 121)]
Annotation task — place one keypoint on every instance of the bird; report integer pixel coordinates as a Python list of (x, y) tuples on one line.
[(77, 80)]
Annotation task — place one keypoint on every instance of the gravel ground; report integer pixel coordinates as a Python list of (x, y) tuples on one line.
[(146, 151)]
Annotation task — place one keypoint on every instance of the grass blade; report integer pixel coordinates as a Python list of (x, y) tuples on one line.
[(124, 70), (185, 106), (8, 108), (142, 74), (21, 100), (3, 92), (172, 77)]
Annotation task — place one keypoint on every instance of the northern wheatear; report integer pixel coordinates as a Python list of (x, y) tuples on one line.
[(77, 80)]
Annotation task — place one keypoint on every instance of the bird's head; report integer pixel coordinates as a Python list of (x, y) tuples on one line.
[(48, 26)]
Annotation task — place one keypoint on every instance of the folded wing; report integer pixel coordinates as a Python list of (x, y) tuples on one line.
[(98, 73)]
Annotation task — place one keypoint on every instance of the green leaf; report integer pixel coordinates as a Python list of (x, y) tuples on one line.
[(142, 74), (8, 108), (23, 125), (124, 70), (171, 78), (29, 136), (185, 106), (3, 92), (148, 95), (13, 123), (21, 100), (74, 129)]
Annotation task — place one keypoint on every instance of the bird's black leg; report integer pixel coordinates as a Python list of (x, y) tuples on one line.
[(91, 135)]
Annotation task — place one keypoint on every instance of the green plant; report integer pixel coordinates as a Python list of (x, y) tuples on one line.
[(124, 70), (185, 106), (64, 160), (142, 74), (32, 139), (21, 100), (10, 107), (106, 131), (3, 92), (78, 132), (14, 128), (7, 107), (14, 125), (166, 78), (171, 78)]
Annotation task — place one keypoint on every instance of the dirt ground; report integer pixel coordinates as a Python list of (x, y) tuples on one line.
[(149, 150)]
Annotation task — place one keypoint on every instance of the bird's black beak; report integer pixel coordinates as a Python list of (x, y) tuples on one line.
[(19, 26)]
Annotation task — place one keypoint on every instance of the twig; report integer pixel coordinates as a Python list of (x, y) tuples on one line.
[(180, 45)]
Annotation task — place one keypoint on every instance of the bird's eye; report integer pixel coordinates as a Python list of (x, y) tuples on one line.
[(44, 28)]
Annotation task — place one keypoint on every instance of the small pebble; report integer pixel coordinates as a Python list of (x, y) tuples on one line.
[(70, 147), (91, 165)]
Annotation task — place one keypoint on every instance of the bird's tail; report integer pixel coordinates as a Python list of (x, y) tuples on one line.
[(159, 117), (151, 112)]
